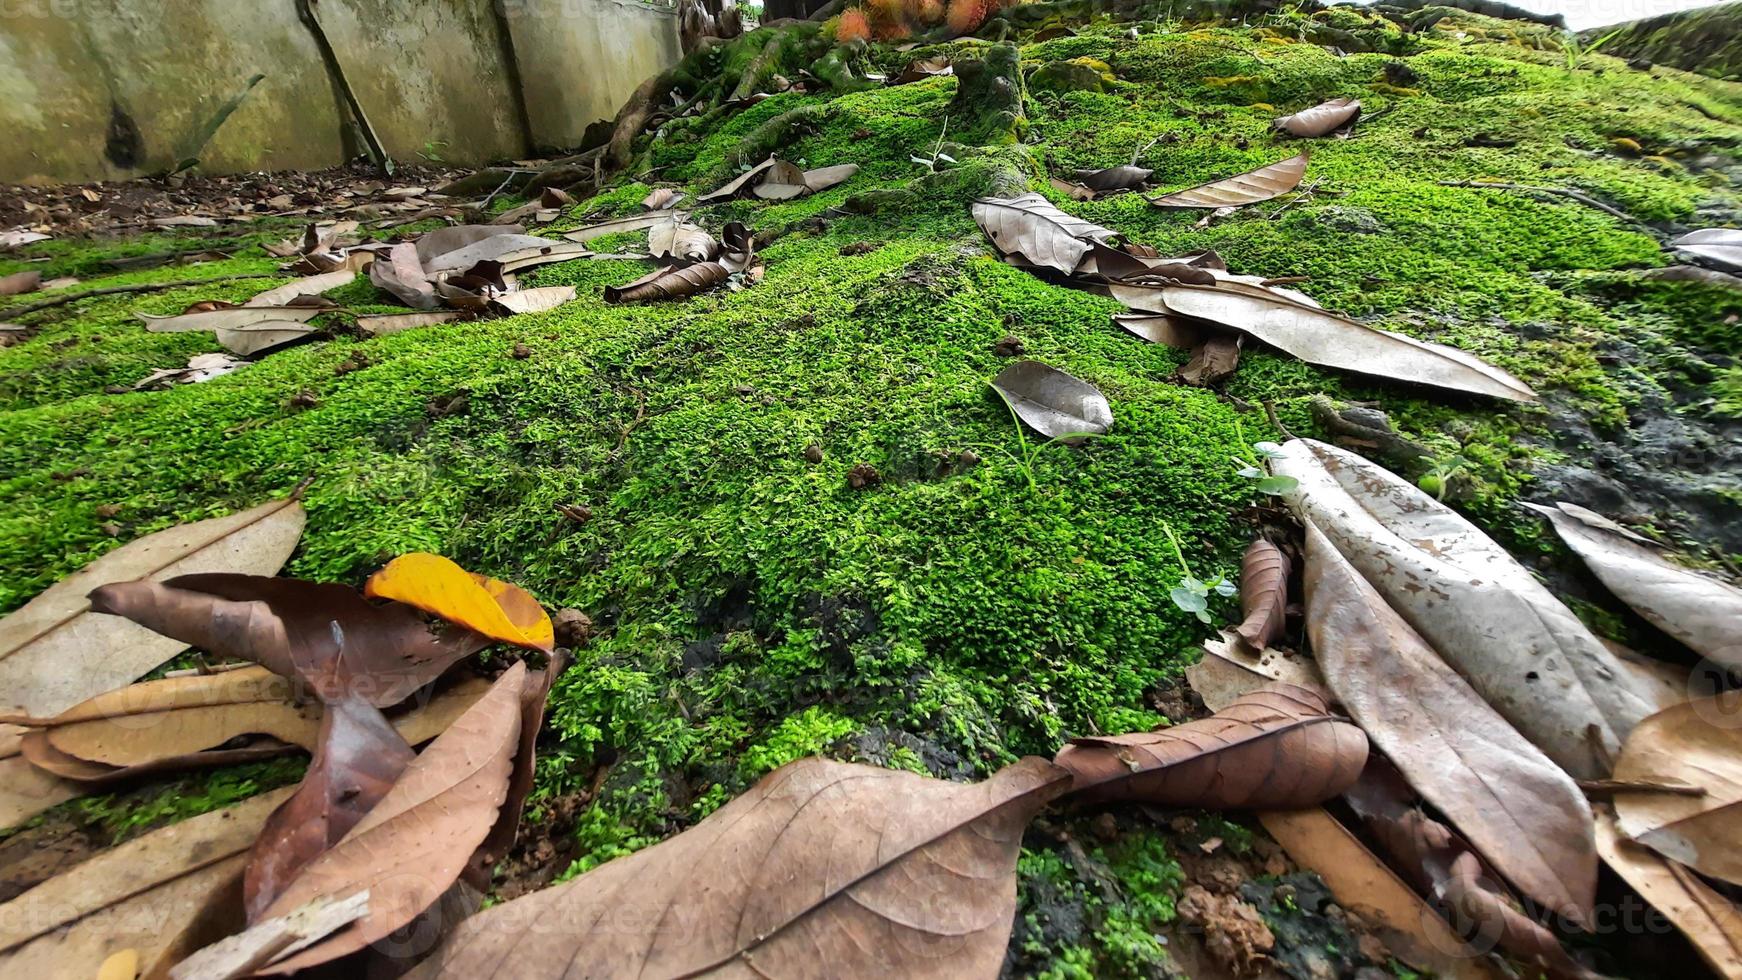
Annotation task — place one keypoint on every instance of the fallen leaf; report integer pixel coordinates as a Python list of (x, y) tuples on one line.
[(247, 952), (737, 184), (821, 179), (26, 791), (1485, 614), (800, 871), (620, 225), (420, 837), (381, 326), (1696, 609), (1262, 184), (1214, 360), (1054, 403), (1336, 116), (1326, 339), (1720, 246), (262, 337), (1229, 671), (535, 300), (1278, 748), (1114, 178), (19, 237), (1076, 192), (185, 221), (662, 198), (1698, 743), (1361, 883), (512, 252), (782, 181), (444, 240), (401, 273), (54, 653), (1160, 328), (20, 283), (920, 69), (157, 894), (303, 289), (228, 318), (495, 609), (1711, 922), (1263, 595), (1030, 226), (681, 241), (670, 283), (1525, 815)]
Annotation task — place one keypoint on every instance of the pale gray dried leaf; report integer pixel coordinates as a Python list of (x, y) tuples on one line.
[(1710, 921), (512, 252), (20, 283), (1696, 609), (1230, 670), (1258, 185), (635, 222), (303, 289), (535, 300), (1114, 178), (1322, 119), (782, 181), (261, 337), (248, 951), (1525, 815), (678, 239), (821, 179), (662, 198), (55, 652), (1323, 338), (1054, 403), (1697, 743), (1524, 651), (232, 318), (1030, 226), (401, 273), (381, 326), (1720, 246), (737, 184), (445, 240)]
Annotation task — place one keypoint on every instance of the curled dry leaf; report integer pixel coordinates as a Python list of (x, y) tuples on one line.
[(263, 337), (1258, 185), (1213, 361), (1720, 246), (736, 185), (401, 273), (1524, 814), (55, 653), (163, 895), (1263, 595), (1710, 921), (1485, 614), (304, 292), (444, 240), (920, 69), (1323, 338), (681, 241), (1336, 116), (1031, 227), (1696, 609), (1160, 328), (1076, 192), (1697, 743), (415, 843), (793, 878), (1229, 671), (227, 318), (1053, 403), (662, 198), (1114, 178), (670, 284), (1277, 748), (245, 953), (495, 609)]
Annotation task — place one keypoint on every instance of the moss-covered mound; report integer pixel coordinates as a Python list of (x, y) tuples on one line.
[(1707, 40), (984, 599)]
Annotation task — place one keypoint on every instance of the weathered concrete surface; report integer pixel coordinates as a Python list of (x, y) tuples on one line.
[(111, 89), (72, 72), (580, 59)]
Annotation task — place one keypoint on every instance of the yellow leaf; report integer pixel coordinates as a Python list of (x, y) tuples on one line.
[(438, 586), (121, 966)]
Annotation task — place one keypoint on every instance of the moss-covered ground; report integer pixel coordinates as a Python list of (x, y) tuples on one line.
[(751, 607)]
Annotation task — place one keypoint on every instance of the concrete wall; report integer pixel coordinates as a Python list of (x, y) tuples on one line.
[(111, 89), (580, 59)]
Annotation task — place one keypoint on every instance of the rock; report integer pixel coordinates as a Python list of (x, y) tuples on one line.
[(813, 453), (1080, 75), (1010, 346), (1401, 75)]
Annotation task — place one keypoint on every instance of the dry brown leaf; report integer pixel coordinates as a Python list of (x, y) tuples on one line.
[(1711, 922), (1698, 743), (1720, 246), (1278, 748), (262, 337), (245, 953), (1053, 403), (1213, 361), (1258, 185), (1263, 595), (535, 300), (681, 241), (511, 252), (401, 273), (1229, 672), (1076, 192), (1485, 614), (920, 69), (1114, 178), (304, 292), (736, 185), (227, 318), (1159, 328), (20, 283), (617, 226), (670, 284), (820, 868), (1524, 814), (1323, 338), (54, 653), (381, 326), (662, 198), (444, 240), (1361, 883), (1696, 609), (26, 791), (1031, 227), (1336, 116), (782, 181), (163, 894), (821, 179)]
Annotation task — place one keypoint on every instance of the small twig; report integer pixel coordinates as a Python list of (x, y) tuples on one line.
[(1306, 194), (1609, 787), (1138, 153), (640, 416), (1566, 192), (1276, 423), (18, 311), (1286, 280), (499, 189)]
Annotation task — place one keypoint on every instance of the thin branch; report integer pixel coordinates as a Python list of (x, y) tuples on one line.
[(149, 287)]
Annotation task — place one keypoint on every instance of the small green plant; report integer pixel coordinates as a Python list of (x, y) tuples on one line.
[(1028, 452), (1577, 51), (1439, 479), (931, 163), (1251, 466), (432, 151), (1192, 594)]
